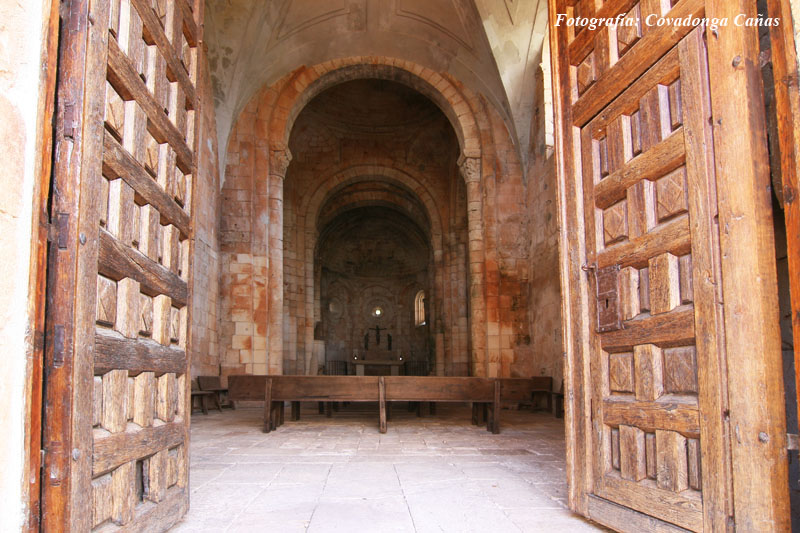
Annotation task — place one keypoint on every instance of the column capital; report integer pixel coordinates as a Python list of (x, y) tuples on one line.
[(470, 168), (279, 159)]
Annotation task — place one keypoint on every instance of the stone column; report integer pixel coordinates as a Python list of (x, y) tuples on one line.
[(278, 163), (470, 168)]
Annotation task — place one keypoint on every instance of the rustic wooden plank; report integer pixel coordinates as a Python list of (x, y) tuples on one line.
[(650, 450), (126, 81), (672, 237), (153, 32), (706, 274), (123, 497), (117, 261), (131, 398), (620, 372), (623, 519), (671, 461), (436, 388), (666, 329), (144, 399), (37, 281), (102, 500), (120, 211), (582, 44), (680, 370), (97, 400), (664, 157), (574, 283), (694, 462), (326, 388), (117, 162), (641, 215), (665, 288), (787, 104), (382, 403), (114, 351), (162, 309), (155, 518), (189, 25), (170, 245), (158, 466), (115, 400), (119, 448), (684, 509), (166, 397), (267, 400), (614, 434), (106, 301), (634, 63), (128, 312), (629, 293), (649, 416), (516, 390), (755, 384), (632, 464)]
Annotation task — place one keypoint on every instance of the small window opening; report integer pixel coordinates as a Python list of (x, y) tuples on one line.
[(419, 309)]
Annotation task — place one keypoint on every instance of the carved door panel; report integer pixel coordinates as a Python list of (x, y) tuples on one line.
[(117, 372), (636, 101)]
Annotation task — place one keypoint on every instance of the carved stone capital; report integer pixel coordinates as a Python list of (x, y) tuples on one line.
[(279, 161), (470, 168)]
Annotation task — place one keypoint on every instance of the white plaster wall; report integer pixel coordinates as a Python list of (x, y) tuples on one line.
[(21, 40)]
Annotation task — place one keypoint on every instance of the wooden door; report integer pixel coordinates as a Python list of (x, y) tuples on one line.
[(648, 420), (116, 414)]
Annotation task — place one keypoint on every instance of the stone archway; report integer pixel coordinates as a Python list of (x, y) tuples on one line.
[(487, 167)]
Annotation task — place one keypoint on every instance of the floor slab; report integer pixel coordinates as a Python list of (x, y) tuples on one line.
[(436, 473)]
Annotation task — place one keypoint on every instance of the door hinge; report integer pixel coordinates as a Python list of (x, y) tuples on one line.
[(58, 345), (58, 230), (792, 441)]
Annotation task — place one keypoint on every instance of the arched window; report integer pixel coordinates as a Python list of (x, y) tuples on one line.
[(419, 308)]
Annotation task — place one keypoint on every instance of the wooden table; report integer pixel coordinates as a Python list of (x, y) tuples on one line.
[(360, 364)]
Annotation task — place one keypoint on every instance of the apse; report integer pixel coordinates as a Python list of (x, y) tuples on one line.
[(373, 262), (375, 233)]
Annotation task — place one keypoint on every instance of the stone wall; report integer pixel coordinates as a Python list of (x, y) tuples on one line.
[(474, 199), (206, 267), (545, 288)]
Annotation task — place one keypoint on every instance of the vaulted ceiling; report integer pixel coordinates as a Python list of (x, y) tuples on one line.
[(253, 43)]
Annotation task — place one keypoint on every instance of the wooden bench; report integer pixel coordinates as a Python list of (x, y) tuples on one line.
[(213, 385), (200, 396), (558, 402), (524, 390), (275, 390)]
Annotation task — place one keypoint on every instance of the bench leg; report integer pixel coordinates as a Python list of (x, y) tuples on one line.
[(495, 426), (382, 403), (281, 412), (432, 408), (329, 409), (217, 400), (419, 409), (295, 410), (268, 406), (203, 404), (474, 413), (321, 407)]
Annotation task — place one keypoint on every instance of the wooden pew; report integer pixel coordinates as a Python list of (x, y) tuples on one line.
[(275, 390), (479, 391), (519, 390)]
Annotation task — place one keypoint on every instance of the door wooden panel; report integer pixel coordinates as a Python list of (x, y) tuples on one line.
[(129, 384), (636, 101)]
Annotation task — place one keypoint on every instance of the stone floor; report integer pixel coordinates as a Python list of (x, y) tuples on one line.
[(437, 473)]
